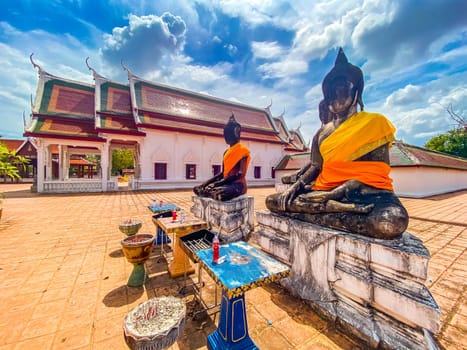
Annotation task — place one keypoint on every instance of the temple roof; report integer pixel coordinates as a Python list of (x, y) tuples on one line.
[(66, 128), (161, 106), (75, 110), (401, 155), (293, 161), (12, 144), (113, 111)]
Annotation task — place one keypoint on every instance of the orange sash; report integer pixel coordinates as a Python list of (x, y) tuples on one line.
[(358, 135), (233, 155)]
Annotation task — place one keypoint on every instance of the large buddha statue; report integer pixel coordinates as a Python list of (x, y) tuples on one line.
[(230, 182), (346, 184)]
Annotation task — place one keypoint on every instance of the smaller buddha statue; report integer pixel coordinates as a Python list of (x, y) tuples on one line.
[(231, 181)]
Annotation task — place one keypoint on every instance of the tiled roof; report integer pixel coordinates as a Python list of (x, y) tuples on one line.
[(402, 154), (115, 98), (67, 99), (164, 100), (114, 112), (283, 133), (293, 161), (11, 144), (164, 122), (44, 126)]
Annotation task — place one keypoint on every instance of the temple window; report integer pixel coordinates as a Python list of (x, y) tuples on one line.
[(257, 172), (216, 169), (190, 171), (160, 171), (273, 173)]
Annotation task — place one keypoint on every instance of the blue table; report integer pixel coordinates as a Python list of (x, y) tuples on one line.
[(161, 211), (245, 268)]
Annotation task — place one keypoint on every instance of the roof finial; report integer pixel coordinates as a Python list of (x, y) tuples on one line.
[(35, 64), (125, 68), (32, 103), (269, 105), (282, 114), (94, 73)]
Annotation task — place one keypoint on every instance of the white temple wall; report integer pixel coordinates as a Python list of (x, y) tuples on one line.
[(179, 149), (418, 182)]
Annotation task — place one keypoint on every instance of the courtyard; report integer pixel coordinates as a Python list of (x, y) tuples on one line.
[(64, 276)]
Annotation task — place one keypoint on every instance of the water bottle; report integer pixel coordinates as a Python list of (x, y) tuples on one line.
[(182, 216), (215, 249), (174, 215)]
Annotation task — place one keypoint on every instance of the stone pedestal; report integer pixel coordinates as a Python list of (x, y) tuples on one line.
[(374, 288), (233, 219)]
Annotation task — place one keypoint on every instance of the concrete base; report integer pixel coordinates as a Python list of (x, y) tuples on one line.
[(374, 288), (233, 219)]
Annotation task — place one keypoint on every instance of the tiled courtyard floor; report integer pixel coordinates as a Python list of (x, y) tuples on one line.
[(63, 275)]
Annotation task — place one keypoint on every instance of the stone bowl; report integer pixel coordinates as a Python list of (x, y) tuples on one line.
[(130, 227), (138, 247), (155, 324)]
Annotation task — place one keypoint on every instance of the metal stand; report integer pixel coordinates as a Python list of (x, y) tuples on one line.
[(232, 331)]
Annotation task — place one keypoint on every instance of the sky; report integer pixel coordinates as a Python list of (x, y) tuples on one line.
[(413, 53)]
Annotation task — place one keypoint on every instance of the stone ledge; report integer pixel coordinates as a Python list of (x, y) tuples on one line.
[(375, 287), (233, 219)]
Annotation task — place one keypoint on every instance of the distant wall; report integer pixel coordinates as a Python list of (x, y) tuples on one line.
[(413, 181), (422, 181)]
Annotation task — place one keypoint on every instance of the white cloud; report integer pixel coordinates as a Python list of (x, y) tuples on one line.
[(267, 50), (145, 41)]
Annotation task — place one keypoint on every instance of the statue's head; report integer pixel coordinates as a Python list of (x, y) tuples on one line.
[(343, 84), (232, 131)]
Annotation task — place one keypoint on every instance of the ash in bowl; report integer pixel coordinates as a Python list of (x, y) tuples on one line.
[(155, 317)]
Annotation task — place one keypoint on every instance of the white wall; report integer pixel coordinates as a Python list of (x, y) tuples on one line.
[(416, 182), (420, 182), (179, 149)]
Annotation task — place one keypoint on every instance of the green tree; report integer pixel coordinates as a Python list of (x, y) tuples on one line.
[(452, 142), (122, 159), (11, 163)]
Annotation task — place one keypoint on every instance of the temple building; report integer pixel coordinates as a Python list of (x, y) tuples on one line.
[(416, 172), (175, 135)]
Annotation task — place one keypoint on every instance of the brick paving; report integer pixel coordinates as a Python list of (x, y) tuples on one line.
[(63, 275)]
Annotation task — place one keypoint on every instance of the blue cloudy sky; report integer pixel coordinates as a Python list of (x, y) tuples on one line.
[(413, 53)]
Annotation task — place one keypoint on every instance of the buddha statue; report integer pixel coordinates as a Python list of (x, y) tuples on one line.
[(230, 182), (346, 184)]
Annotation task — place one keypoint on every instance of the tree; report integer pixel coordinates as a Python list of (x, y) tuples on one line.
[(11, 163), (122, 159), (454, 141)]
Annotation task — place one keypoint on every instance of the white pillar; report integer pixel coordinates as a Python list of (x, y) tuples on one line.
[(40, 166), (48, 163), (105, 153)]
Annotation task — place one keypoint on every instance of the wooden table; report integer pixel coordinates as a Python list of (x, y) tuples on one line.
[(245, 268), (180, 263)]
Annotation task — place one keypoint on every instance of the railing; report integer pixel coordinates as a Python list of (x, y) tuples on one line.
[(73, 186)]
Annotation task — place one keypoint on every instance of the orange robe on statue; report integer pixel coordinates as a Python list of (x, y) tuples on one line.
[(361, 133), (233, 155)]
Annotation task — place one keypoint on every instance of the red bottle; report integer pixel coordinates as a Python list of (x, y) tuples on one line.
[(174, 215), (215, 249)]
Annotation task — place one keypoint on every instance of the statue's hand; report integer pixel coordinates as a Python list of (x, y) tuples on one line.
[(324, 196), (289, 195), (335, 206), (289, 179)]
